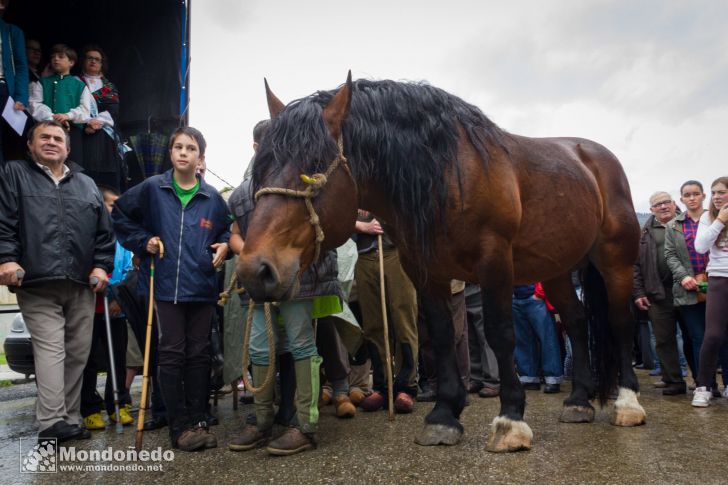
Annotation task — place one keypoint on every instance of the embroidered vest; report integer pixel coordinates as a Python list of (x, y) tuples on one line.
[(62, 93)]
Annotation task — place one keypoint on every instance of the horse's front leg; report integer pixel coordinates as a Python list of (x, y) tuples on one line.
[(441, 424), (509, 432)]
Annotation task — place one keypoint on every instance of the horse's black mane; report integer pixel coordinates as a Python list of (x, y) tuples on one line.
[(402, 136)]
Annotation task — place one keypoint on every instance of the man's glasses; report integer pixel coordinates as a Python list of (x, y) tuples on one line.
[(94, 59), (660, 204)]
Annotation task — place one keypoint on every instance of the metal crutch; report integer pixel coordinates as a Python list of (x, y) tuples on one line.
[(112, 366), (93, 281)]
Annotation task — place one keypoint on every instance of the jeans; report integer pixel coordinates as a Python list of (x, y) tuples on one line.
[(534, 324), (694, 316), (681, 355), (294, 335)]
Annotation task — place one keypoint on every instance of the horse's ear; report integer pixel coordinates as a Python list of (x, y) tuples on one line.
[(275, 105), (338, 108)]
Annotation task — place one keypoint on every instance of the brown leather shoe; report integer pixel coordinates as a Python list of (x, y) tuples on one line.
[(191, 440), (251, 437), (325, 398), (291, 442), (357, 396), (487, 391), (210, 439), (344, 407)]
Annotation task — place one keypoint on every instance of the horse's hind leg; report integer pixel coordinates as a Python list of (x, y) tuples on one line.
[(577, 408), (441, 424), (618, 274)]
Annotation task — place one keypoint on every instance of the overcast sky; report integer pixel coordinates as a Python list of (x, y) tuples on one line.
[(647, 79)]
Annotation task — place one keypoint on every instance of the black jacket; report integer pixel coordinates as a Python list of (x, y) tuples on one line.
[(53, 232)]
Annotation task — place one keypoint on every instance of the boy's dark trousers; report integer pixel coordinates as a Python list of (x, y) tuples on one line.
[(184, 362)]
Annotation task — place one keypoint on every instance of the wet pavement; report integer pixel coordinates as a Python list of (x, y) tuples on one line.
[(679, 444)]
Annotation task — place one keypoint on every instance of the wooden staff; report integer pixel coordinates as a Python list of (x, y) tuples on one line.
[(147, 350), (388, 354)]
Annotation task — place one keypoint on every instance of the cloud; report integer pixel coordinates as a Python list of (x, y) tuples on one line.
[(662, 58)]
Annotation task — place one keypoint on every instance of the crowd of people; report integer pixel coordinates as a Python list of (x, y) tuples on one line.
[(69, 240), (104, 238), (680, 281), (67, 88)]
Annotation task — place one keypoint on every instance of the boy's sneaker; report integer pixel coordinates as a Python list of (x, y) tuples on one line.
[(124, 415), (94, 421), (701, 397), (725, 392)]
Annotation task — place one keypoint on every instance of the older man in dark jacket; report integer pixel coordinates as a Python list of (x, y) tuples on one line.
[(55, 237), (653, 291)]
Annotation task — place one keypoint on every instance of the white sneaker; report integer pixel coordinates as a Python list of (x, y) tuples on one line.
[(701, 397), (725, 392)]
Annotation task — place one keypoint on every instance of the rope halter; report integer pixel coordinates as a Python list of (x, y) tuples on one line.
[(315, 183)]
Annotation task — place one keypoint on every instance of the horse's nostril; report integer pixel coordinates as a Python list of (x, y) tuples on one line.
[(266, 275)]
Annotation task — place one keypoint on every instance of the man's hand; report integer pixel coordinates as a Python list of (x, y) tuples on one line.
[(221, 250), (153, 245), (103, 280), (61, 117), (88, 129), (19, 106), (114, 309), (9, 273), (371, 227), (643, 303), (723, 214), (689, 283)]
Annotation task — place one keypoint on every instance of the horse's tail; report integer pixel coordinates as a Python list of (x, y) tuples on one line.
[(601, 343)]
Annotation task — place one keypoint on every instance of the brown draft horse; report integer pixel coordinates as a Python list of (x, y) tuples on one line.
[(462, 199)]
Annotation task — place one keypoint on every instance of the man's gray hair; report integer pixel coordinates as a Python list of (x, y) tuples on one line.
[(659, 195)]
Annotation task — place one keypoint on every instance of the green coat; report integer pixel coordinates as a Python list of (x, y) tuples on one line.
[(678, 260)]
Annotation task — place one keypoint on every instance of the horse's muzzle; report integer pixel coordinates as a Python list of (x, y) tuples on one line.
[(262, 281)]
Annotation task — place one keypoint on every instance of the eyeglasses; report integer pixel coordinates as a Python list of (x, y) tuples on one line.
[(693, 195), (33, 49), (660, 204), (94, 59)]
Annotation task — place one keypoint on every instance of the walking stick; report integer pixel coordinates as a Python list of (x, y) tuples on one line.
[(112, 366), (20, 274), (147, 349), (388, 357)]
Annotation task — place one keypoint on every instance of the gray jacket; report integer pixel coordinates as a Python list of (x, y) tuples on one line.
[(678, 259), (646, 275)]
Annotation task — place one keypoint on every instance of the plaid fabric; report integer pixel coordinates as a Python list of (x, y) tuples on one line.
[(151, 149), (699, 261)]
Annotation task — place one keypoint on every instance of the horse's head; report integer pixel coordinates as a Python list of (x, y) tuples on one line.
[(306, 196)]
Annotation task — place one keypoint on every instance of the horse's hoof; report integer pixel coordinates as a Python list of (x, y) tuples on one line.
[(438, 434), (508, 435), (627, 410), (577, 414)]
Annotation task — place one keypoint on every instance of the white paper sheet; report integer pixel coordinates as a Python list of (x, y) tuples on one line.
[(16, 119)]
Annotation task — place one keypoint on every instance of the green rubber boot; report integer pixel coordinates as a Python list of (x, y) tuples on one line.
[(308, 386), (263, 401)]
